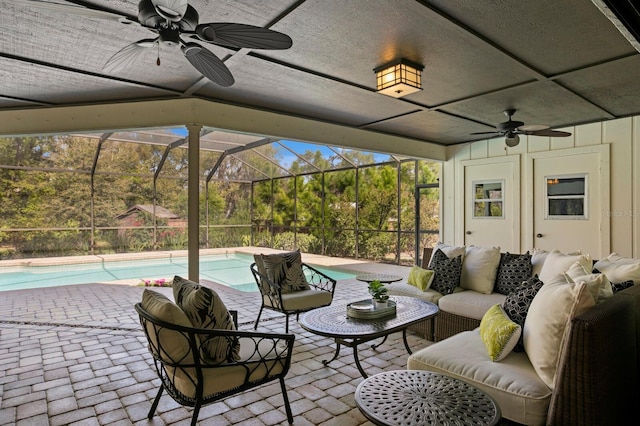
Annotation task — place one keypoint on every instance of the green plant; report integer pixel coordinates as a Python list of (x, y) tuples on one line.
[(378, 291)]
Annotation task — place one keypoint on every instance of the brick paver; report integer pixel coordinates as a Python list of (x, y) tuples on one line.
[(75, 355)]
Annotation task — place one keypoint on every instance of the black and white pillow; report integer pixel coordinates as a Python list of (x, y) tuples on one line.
[(285, 269), (205, 309), (513, 270), (616, 287), (447, 272), (517, 303)]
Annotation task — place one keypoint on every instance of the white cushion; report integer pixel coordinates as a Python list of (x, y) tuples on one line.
[(619, 269), (512, 383), (537, 260), (303, 299), (450, 251), (548, 321), (598, 285), (479, 268), (404, 289), (557, 263), (469, 303)]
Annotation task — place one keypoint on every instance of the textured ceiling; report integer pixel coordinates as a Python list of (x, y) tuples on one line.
[(559, 63)]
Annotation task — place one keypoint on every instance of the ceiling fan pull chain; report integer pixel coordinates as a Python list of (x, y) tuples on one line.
[(158, 60)]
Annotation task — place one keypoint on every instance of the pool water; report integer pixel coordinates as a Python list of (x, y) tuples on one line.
[(230, 269)]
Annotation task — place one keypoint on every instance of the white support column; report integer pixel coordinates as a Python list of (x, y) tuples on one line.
[(193, 203)]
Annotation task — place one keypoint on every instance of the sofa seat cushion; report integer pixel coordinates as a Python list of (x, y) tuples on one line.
[(404, 289), (512, 382), (470, 303), (302, 300)]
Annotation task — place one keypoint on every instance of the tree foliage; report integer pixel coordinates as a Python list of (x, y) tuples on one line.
[(46, 194)]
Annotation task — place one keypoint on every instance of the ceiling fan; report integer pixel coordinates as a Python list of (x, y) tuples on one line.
[(510, 129), (172, 21)]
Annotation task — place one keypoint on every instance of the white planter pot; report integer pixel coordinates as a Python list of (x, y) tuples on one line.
[(380, 305)]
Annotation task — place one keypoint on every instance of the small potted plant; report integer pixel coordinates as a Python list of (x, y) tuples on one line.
[(378, 292)]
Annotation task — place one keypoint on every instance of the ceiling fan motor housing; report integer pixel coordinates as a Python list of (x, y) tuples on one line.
[(149, 17)]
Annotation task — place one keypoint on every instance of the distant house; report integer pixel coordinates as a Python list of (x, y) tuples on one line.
[(135, 214)]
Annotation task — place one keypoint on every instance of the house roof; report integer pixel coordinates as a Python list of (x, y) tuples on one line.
[(559, 63)]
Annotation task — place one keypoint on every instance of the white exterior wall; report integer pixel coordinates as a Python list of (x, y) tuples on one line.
[(623, 137)]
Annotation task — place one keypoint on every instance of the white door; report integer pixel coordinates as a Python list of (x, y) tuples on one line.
[(568, 202), (491, 203)]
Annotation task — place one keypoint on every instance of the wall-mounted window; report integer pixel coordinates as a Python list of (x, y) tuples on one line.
[(566, 196), (488, 199)]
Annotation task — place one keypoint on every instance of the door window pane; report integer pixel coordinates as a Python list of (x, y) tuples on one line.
[(487, 199), (566, 197)]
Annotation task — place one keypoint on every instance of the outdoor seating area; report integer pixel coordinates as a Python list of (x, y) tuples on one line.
[(77, 355)]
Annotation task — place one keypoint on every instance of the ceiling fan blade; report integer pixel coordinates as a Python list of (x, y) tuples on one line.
[(485, 133), (77, 10), (241, 35), (546, 132), (124, 57), (208, 64), (172, 10), (532, 127)]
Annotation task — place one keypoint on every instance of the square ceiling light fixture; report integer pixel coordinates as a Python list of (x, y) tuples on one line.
[(399, 78)]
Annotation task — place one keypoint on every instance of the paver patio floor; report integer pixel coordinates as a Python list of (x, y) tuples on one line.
[(76, 355)]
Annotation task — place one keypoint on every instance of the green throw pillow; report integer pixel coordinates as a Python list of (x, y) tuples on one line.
[(421, 278), (499, 334)]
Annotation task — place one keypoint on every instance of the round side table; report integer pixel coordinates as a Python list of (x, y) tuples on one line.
[(383, 278), (416, 397)]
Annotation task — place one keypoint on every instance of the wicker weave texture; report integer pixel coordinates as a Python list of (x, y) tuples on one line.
[(447, 324)]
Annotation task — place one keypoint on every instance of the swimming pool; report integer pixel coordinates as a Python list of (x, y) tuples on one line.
[(230, 269)]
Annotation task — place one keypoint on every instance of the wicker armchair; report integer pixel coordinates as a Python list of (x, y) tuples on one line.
[(319, 293), (193, 380)]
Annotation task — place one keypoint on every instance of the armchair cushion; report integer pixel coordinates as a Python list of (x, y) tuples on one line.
[(303, 300), (173, 344), (285, 269), (205, 309)]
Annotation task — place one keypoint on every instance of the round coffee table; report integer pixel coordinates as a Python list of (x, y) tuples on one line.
[(416, 397)]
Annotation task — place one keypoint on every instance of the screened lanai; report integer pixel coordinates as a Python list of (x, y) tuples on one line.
[(128, 191)]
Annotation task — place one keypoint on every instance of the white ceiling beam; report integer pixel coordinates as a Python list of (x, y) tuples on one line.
[(181, 112)]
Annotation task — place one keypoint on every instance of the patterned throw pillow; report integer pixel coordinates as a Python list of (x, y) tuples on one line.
[(447, 272), (517, 303), (616, 287), (205, 309), (514, 269), (286, 269), (421, 278), (499, 333)]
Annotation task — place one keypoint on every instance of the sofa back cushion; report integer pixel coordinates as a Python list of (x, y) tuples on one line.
[(548, 321), (479, 268)]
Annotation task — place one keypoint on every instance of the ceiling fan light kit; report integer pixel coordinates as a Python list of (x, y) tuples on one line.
[(511, 129), (399, 78), (171, 20)]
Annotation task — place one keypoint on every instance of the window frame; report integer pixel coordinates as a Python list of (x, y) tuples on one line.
[(474, 201), (584, 197)]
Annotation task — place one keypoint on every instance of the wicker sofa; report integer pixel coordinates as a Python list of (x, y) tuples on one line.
[(597, 373)]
